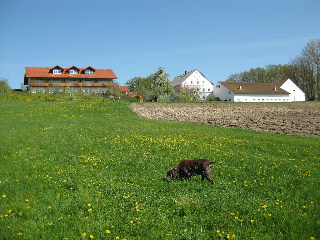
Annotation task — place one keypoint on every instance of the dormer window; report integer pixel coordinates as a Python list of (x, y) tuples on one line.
[(89, 72), (73, 71), (56, 71)]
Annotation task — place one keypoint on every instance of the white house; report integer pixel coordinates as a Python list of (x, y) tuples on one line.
[(195, 79), (279, 91)]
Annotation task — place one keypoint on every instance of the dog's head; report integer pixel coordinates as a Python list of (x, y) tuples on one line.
[(171, 174)]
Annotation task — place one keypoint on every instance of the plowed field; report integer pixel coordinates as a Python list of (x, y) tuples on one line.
[(301, 118)]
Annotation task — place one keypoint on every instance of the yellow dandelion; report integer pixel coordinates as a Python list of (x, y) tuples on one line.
[(91, 236), (49, 207), (89, 205), (84, 234), (19, 233), (252, 221), (107, 231), (90, 210), (4, 196)]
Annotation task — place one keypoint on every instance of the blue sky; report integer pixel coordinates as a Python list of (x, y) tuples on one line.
[(135, 37)]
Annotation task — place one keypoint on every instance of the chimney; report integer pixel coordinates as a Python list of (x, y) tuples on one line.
[(185, 72), (275, 88), (240, 87)]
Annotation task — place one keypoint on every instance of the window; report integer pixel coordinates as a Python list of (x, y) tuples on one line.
[(88, 81), (204, 90), (197, 82), (208, 89), (39, 90), (55, 80), (103, 81), (191, 82), (56, 71), (39, 80), (89, 72), (229, 92), (72, 71), (88, 90), (72, 81), (56, 90)]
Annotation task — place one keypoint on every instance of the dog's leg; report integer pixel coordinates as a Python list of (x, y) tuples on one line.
[(210, 180), (207, 174)]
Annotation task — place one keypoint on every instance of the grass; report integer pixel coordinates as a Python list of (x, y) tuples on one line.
[(81, 170)]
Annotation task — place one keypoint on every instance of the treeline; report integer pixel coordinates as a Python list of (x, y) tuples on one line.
[(303, 70)]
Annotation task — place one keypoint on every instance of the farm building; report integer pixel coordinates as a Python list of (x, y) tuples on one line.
[(57, 79), (194, 79), (279, 91)]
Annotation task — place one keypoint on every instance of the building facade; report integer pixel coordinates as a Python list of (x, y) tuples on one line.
[(197, 80), (279, 91), (58, 79)]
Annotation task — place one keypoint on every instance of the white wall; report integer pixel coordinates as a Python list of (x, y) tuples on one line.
[(261, 98), (223, 93), (197, 80), (296, 94)]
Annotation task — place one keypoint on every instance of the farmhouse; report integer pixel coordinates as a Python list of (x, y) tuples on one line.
[(194, 79), (57, 79), (279, 91)]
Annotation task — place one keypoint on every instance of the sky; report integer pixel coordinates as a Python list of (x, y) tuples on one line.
[(135, 37)]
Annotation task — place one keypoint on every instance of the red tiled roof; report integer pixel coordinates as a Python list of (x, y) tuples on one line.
[(46, 72), (124, 89), (255, 88)]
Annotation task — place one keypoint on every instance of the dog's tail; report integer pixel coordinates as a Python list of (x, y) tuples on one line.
[(212, 162)]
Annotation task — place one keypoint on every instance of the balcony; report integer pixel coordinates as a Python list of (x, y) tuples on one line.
[(51, 84)]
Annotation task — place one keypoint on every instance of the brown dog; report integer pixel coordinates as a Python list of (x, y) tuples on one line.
[(189, 168)]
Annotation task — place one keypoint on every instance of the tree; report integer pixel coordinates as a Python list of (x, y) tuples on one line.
[(311, 57), (153, 87), (186, 93), (161, 85), (4, 86)]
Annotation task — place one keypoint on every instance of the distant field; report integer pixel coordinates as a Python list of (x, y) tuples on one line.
[(300, 118), (94, 170)]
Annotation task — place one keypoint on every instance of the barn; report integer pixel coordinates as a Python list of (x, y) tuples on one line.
[(279, 91)]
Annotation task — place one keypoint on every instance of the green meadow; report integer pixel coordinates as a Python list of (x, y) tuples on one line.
[(94, 170)]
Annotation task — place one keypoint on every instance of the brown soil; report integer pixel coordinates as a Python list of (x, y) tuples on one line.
[(301, 118)]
